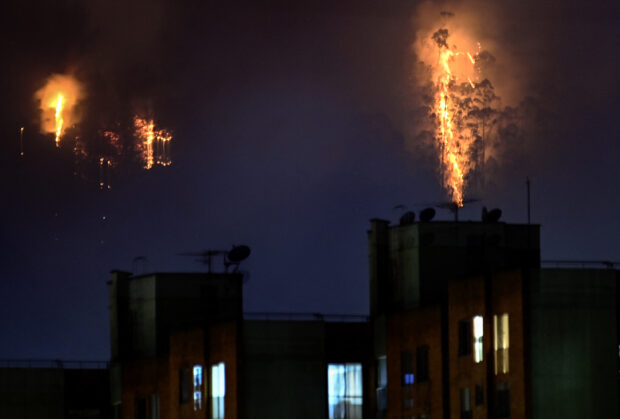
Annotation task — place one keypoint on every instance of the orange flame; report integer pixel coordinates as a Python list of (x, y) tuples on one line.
[(59, 120), (453, 70)]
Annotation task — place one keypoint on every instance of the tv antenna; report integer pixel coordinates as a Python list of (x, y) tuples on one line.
[(230, 258), (454, 207)]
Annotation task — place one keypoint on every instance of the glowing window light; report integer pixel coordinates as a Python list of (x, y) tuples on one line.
[(344, 386), (218, 390), (478, 339), (197, 374), (501, 342)]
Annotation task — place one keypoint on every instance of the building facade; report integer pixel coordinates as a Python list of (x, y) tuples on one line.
[(33, 389), (464, 323), (467, 325), (182, 348)]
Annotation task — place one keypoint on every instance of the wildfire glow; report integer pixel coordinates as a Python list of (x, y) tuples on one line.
[(57, 101), (154, 143)]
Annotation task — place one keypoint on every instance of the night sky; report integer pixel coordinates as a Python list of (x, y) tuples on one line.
[(293, 124)]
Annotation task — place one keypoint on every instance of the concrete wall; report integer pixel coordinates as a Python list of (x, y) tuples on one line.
[(187, 348), (34, 393), (223, 346), (467, 298), (574, 344), (507, 297), (405, 263), (284, 370), (406, 332), (142, 316), (410, 265), (190, 300)]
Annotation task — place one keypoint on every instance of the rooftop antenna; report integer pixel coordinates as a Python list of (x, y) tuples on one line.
[(230, 258), (454, 207)]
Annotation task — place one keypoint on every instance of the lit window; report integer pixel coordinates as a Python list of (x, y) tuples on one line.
[(344, 386), (478, 339), (197, 372), (501, 343), (218, 390)]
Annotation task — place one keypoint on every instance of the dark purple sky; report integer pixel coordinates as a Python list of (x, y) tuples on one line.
[(290, 133)]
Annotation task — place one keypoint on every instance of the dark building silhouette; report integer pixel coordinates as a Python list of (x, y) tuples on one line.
[(467, 325), (464, 323), (34, 389), (182, 348)]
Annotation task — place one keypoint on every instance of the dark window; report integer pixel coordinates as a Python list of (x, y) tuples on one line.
[(406, 359), (465, 337), (427, 239), (117, 411), (479, 395), (422, 360), (381, 386), (140, 410), (466, 412), (185, 385), (503, 400), (154, 406)]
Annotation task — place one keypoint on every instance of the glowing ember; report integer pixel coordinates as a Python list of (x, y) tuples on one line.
[(154, 143), (104, 173), (21, 141)]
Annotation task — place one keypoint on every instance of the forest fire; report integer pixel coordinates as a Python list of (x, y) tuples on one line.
[(153, 143), (465, 118), (453, 132), (57, 101)]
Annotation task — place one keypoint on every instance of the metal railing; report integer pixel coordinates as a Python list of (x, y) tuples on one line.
[(581, 264), (345, 318), (53, 363)]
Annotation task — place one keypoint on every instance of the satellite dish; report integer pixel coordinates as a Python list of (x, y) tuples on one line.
[(427, 214), (407, 218), (238, 254), (235, 256), (492, 216)]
